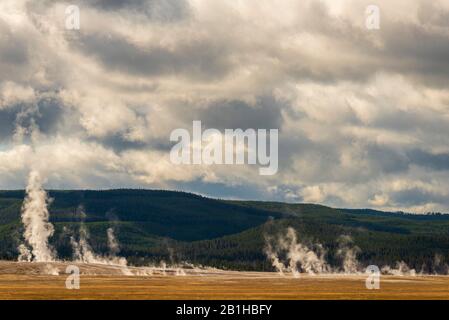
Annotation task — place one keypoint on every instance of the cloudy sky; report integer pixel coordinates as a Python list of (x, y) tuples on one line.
[(363, 115)]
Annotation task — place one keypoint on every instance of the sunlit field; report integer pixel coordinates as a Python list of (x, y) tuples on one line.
[(209, 284)]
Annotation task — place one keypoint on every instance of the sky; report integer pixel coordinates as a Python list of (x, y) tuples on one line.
[(362, 113)]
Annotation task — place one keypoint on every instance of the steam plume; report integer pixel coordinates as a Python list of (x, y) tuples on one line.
[(113, 244), (288, 255), (348, 252), (38, 229), (35, 218), (273, 257), (402, 269), (24, 253), (83, 252), (300, 258)]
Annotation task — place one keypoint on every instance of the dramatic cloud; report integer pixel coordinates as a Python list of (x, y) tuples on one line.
[(362, 114)]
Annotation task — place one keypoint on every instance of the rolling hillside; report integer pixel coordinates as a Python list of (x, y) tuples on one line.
[(174, 226)]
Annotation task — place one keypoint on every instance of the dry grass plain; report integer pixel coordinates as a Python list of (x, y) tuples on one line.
[(16, 284)]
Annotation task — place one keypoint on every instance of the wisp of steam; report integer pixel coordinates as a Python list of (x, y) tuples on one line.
[(35, 218), (300, 258), (347, 251), (37, 231), (83, 253), (289, 256)]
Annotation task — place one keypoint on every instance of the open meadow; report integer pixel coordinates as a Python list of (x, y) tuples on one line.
[(26, 281)]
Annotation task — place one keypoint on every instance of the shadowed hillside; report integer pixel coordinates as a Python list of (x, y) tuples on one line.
[(174, 226)]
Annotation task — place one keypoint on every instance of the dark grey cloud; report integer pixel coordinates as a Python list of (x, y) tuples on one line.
[(7, 124), (415, 120), (439, 161), (433, 14), (386, 160), (157, 10), (417, 50), (119, 143), (235, 114), (195, 59), (13, 49), (46, 114), (14, 53), (416, 196)]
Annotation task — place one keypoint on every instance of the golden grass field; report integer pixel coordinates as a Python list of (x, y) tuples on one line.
[(215, 284)]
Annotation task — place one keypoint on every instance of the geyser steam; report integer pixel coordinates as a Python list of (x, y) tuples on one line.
[(84, 253), (35, 218), (38, 229), (348, 252), (288, 255), (114, 247), (300, 257)]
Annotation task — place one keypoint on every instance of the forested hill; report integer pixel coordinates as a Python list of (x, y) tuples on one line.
[(156, 225)]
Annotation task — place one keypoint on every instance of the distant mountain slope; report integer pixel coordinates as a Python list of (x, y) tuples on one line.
[(177, 215), (177, 226)]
